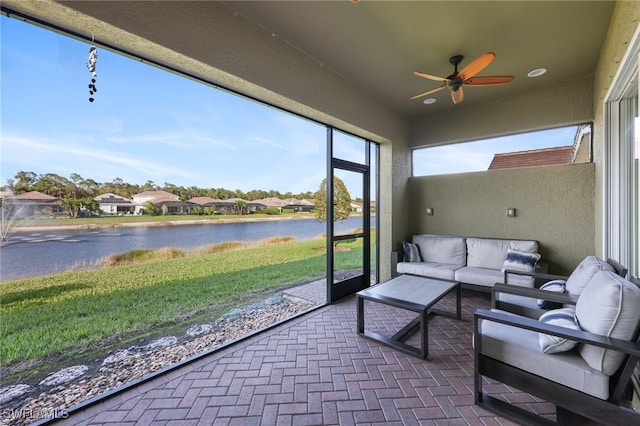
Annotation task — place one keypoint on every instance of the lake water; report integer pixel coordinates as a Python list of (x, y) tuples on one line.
[(28, 254)]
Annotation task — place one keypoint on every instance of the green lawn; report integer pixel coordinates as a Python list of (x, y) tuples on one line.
[(46, 316)]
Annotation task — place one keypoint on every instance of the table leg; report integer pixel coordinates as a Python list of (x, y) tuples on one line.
[(459, 301), (360, 314), (424, 331)]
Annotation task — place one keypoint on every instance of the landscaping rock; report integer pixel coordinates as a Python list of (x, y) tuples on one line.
[(65, 375), (12, 392)]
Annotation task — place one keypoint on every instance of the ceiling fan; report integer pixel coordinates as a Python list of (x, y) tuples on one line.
[(465, 77)]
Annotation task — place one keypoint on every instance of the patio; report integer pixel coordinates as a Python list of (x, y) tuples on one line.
[(314, 369)]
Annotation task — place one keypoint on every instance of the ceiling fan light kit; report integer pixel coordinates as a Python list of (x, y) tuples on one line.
[(464, 77)]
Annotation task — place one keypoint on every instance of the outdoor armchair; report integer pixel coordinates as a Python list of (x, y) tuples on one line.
[(589, 378)]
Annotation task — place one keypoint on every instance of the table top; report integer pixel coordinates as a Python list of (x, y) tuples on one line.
[(411, 289)]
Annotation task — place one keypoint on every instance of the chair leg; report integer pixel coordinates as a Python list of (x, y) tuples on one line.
[(564, 416)]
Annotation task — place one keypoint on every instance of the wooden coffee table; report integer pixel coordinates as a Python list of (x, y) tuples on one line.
[(413, 293)]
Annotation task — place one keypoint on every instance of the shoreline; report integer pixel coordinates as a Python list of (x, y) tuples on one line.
[(179, 222)]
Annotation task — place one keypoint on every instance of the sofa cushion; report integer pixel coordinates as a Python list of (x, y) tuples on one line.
[(491, 253), (441, 249), (520, 261), (585, 270), (488, 277), (557, 286), (563, 317), (520, 348), (411, 252), (608, 306), (428, 269)]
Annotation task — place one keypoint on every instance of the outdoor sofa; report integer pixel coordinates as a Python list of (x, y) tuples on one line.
[(478, 263)]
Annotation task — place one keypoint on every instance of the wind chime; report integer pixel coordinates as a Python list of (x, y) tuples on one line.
[(91, 65)]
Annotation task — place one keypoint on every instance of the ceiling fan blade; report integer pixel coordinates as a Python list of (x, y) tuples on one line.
[(429, 92), (457, 95), (489, 80), (477, 65), (429, 76)]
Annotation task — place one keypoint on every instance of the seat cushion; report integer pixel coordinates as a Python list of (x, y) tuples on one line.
[(520, 348), (491, 253), (585, 270), (441, 249), (609, 305), (488, 277), (428, 269)]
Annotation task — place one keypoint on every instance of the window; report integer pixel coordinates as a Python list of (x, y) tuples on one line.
[(151, 148), (566, 145), (622, 169)]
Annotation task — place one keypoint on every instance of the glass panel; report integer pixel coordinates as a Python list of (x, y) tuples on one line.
[(347, 147), (153, 148), (635, 253), (634, 182), (347, 259), (347, 200)]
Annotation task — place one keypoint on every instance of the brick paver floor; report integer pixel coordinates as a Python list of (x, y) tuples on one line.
[(316, 370)]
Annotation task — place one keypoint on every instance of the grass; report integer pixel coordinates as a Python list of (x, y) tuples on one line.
[(147, 289)]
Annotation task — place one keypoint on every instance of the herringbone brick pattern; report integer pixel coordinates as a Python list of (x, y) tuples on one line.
[(316, 370)]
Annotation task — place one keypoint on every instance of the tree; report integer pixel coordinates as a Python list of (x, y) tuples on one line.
[(72, 204), (24, 182), (240, 206), (52, 184), (341, 201)]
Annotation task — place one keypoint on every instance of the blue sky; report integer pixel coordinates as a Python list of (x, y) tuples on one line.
[(148, 124), (477, 156), (145, 123)]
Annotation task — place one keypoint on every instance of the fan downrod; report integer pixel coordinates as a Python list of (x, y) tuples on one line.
[(454, 81)]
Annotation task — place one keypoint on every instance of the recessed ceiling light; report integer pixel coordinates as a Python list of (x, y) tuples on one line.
[(537, 72), (429, 101)]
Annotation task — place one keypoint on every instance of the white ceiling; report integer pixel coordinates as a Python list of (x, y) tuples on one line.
[(376, 45)]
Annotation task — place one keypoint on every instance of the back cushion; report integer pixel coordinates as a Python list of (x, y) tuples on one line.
[(441, 249), (607, 306), (491, 253), (583, 273)]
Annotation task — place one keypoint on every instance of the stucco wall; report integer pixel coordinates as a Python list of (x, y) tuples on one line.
[(624, 23), (555, 205), (557, 105)]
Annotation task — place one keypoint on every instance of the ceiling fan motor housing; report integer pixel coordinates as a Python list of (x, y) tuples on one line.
[(454, 82)]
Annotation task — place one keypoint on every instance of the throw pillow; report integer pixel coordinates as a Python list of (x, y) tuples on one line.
[(411, 252), (607, 306), (520, 261), (563, 317), (557, 286)]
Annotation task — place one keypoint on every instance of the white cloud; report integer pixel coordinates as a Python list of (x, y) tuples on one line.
[(65, 157)]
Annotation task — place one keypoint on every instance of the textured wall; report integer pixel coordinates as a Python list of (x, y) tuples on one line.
[(561, 104), (555, 205), (624, 23)]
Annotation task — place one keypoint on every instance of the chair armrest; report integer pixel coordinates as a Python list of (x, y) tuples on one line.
[(580, 336), (537, 275), (534, 293)]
